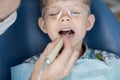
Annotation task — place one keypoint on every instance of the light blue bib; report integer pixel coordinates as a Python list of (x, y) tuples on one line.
[(84, 69), (93, 69)]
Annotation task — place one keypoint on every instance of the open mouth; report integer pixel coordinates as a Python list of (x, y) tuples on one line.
[(66, 32)]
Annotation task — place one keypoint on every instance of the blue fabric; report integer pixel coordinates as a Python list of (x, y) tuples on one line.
[(84, 69), (91, 69), (88, 67), (22, 71)]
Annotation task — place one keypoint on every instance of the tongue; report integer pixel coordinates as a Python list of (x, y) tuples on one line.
[(66, 33)]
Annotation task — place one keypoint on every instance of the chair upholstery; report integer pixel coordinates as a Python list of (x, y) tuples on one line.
[(105, 33), (24, 38)]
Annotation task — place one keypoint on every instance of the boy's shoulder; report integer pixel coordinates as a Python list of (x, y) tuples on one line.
[(95, 54), (32, 59), (89, 54)]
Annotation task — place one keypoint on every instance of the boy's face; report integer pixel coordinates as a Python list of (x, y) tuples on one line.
[(66, 18)]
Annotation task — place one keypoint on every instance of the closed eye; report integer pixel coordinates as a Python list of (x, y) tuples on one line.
[(75, 12), (53, 14)]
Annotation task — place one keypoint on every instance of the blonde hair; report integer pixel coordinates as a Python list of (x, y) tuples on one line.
[(43, 3)]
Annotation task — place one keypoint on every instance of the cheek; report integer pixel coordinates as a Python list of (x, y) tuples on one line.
[(81, 26), (81, 21), (81, 29), (81, 32), (50, 22), (51, 31), (51, 25)]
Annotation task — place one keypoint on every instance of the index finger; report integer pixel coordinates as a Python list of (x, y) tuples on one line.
[(66, 53)]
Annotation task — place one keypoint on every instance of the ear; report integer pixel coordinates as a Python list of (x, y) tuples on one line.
[(90, 23), (41, 24)]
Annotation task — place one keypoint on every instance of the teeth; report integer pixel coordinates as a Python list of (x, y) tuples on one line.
[(65, 29), (66, 32)]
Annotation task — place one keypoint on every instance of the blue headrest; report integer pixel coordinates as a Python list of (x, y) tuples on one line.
[(24, 38), (105, 33)]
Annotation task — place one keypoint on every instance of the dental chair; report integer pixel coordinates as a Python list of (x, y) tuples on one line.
[(24, 38)]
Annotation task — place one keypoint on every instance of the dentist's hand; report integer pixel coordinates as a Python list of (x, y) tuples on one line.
[(61, 66), (7, 7)]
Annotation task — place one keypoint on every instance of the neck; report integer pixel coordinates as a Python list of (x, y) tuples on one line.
[(80, 49)]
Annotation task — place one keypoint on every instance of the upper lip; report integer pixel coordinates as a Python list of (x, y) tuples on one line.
[(65, 27)]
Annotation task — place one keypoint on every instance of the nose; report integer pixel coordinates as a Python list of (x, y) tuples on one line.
[(65, 19)]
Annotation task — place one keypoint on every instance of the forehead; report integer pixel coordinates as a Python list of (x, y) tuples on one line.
[(64, 2)]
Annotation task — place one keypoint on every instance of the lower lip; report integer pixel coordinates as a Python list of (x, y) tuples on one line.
[(68, 36)]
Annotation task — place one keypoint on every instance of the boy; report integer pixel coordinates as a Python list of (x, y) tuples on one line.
[(66, 20)]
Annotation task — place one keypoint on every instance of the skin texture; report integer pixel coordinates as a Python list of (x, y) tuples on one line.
[(7, 7), (72, 46)]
